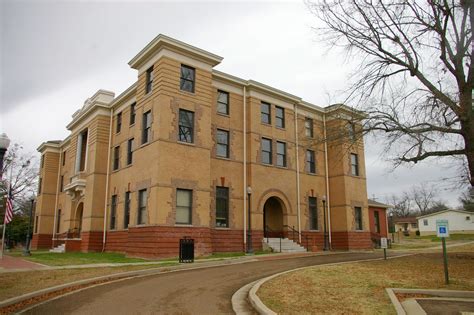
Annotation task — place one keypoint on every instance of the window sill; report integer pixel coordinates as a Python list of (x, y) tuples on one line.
[(131, 125), (267, 165), (266, 124), (187, 92), (187, 143), (223, 158), (222, 228), (183, 225), (282, 167), (313, 231), (223, 115), (280, 128), (312, 174)]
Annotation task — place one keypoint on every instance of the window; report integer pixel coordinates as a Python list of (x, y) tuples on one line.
[(64, 158), (184, 199), (119, 122), (414, 225), (61, 184), (146, 127), (142, 206), (308, 126), (279, 117), (116, 157), (39, 185), (58, 221), (354, 164), (351, 131), (223, 102), (377, 221), (113, 212), (186, 126), (81, 152), (222, 149), (187, 79), (281, 154), (310, 162), (126, 210), (265, 113), (425, 222), (149, 80), (313, 213), (358, 218), (266, 151), (130, 151), (222, 207), (132, 113)]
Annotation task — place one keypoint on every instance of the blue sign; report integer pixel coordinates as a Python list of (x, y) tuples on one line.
[(442, 229)]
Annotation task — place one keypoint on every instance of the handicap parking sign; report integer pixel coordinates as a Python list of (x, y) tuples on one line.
[(442, 229)]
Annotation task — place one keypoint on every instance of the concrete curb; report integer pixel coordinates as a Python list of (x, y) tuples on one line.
[(400, 307), (261, 308), (120, 276)]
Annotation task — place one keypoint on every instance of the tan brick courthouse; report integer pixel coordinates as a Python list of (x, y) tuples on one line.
[(186, 150)]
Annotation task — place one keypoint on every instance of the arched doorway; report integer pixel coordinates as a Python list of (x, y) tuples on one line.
[(273, 217), (78, 219)]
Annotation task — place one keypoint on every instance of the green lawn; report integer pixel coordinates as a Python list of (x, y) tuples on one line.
[(420, 242), (76, 258)]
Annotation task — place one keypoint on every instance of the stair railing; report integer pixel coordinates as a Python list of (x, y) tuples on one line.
[(297, 233), (268, 229)]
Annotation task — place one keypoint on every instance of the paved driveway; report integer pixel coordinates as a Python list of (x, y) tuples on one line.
[(201, 291)]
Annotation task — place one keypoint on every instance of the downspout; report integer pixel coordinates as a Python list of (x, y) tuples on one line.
[(297, 174), (245, 166), (328, 208), (57, 196), (107, 180)]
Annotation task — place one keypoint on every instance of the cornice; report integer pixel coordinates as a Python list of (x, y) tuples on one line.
[(161, 41)]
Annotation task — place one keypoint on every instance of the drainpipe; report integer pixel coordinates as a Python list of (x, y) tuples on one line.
[(107, 180), (244, 189), (328, 208), (57, 196), (298, 208)]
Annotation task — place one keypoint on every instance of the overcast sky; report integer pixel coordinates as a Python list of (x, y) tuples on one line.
[(54, 55)]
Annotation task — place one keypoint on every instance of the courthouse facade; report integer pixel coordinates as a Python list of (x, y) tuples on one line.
[(188, 150)]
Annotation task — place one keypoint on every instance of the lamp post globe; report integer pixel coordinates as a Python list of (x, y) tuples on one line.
[(4, 143)]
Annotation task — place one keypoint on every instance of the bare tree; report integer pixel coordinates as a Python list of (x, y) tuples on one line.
[(415, 75), (402, 205), (20, 170), (424, 198)]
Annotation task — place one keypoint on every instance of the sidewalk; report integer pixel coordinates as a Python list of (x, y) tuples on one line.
[(15, 264), (12, 264)]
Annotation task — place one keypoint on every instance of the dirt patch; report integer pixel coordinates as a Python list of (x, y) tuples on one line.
[(360, 287)]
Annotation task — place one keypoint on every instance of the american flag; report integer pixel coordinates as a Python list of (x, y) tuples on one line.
[(9, 210)]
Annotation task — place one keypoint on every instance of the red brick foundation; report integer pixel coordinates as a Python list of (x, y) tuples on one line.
[(41, 241), (73, 245), (91, 241), (351, 240), (224, 240), (313, 241)]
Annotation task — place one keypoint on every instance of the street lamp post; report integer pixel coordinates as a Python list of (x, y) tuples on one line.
[(249, 230), (4, 143), (392, 228), (326, 240), (26, 251)]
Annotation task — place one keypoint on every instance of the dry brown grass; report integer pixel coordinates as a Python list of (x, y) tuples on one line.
[(18, 283), (360, 287)]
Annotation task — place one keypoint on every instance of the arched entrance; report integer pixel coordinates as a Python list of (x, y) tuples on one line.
[(273, 217), (78, 219)]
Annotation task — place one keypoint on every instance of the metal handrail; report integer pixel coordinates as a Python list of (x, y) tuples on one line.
[(268, 229), (293, 230)]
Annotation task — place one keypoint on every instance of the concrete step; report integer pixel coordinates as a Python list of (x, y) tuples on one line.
[(284, 245), (58, 249)]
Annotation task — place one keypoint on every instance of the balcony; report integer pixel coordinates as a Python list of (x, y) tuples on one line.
[(77, 186)]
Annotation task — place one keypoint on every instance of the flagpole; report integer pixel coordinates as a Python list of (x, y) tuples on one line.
[(5, 216)]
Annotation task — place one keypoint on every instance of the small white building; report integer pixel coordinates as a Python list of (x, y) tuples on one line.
[(459, 222)]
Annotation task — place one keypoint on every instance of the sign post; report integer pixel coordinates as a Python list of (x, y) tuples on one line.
[(384, 245), (442, 231)]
